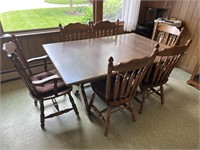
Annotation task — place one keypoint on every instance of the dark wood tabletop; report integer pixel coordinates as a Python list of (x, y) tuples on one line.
[(82, 61)]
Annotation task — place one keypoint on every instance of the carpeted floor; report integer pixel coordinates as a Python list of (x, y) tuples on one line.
[(174, 125)]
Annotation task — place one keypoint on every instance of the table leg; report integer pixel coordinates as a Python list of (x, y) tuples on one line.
[(83, 98)]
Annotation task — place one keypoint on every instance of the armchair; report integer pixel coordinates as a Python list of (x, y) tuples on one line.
[(41, 87)]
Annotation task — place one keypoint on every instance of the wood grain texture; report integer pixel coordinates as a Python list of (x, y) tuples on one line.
[(88, 58)]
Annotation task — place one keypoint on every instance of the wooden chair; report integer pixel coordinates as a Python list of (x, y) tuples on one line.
[(160, 71), (119, 91), (74, 31), (41, 87), (104, 28), (166, 34)]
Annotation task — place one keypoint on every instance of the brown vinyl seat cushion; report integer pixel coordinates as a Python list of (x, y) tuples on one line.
[(48, 88)]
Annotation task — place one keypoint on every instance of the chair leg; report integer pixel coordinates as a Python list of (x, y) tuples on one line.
[(144, 93), (73, 104), (42, 114), (55, 104), (91, 101), (107, 123), (132, 110), (35, 102), (162, 94)]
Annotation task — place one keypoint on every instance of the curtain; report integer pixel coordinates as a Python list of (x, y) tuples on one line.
[(130, 13)]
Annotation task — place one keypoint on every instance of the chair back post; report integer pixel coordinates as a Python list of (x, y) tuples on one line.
[(61, 32), (91, 24), (154, 30), (108, 85), (178, 37), (25, 77), (20, 54), (154, 54), (117, 27)]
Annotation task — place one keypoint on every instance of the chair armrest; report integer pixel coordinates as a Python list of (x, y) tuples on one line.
[(54, 78), (38, 58), (41, 58)]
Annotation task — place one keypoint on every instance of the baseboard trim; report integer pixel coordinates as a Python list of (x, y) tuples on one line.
[(184, 68)]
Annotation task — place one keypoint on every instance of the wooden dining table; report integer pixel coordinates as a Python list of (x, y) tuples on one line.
[(83, 61)]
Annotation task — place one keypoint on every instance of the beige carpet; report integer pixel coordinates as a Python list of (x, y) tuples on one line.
[(174, 125)]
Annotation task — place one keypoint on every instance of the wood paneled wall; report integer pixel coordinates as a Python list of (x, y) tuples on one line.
[(188, 11)]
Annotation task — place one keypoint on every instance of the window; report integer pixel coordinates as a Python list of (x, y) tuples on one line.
[(112, 10), (49, 15), (43, 15)]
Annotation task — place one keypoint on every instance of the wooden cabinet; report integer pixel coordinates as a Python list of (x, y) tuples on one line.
[(194, 80)]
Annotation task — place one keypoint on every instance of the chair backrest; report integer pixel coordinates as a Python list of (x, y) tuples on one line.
[(74, 31), (19, 52), (166, 60), (128, 77), (104, 28), (15, 46), (10, 49), (166, 34)]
